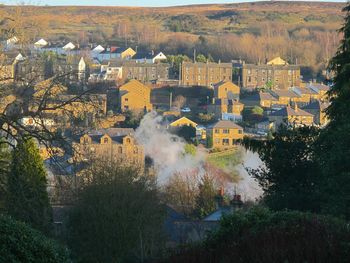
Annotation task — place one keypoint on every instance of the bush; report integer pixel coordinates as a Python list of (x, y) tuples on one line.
[(261, 235), (20, 243)]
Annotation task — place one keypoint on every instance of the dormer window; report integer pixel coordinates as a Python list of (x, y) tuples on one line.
[(105, 140)]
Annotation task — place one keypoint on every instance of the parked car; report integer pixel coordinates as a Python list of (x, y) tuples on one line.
[(185, 109)]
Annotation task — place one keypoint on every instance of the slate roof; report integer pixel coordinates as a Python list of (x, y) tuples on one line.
[(145, 55), (227, 102), (116, 134), (266, 96), (316, 105), (285, 93), (224, 124), (289, 111)]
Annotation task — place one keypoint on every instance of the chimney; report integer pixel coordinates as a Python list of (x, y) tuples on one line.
[(236, 202), (220, 198)]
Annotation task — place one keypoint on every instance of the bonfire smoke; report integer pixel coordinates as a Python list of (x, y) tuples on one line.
[(169, 157)]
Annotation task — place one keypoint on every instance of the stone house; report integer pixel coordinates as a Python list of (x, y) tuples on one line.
[(225, 134)]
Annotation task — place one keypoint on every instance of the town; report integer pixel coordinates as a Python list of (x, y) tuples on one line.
[(173, 146)]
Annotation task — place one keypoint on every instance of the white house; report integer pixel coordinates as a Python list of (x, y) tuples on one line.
[(41, 43), (98, 49), (149, 57), (69, 46)]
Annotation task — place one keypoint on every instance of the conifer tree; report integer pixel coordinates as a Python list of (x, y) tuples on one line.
[(334, 142), (27, 198)]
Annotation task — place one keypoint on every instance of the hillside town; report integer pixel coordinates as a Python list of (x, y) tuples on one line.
[(165, 114)]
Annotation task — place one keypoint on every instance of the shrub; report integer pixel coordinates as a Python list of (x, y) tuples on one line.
[(261, 235), (20, 243)]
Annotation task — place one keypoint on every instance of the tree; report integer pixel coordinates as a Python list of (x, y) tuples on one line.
[(209, 142), (205, 201), (290, 175), (334, 142), (117, 216), (21, 243), (27, 198), (201, 58), (187, 132), (260, 235), (5, 160), (257, 110)]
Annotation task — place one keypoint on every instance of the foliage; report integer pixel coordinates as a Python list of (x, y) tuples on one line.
[(205, 201), (334, 143), (117, 216), (290, 176), (187, 132), (5, 160), (190, 149), (176, 61), (257, 110), (131, 120), (27, 198), (260, 235), (209, 142), (20, 243)]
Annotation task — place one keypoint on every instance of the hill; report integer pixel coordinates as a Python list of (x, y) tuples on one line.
[(251, 31)]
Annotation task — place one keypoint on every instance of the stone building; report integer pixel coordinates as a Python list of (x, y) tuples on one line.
[(114, 144), (276, 73), (135, 96), (226, 90), (204, 74), (291, 117), (225, 134)]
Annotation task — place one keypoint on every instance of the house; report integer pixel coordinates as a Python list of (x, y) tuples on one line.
[(98, 49), (291, 116), (145, 72), (276, 73), (225, 134), (305, 95), (115, 53), (149, 57), (226, 90), (317, 108), (204, 74), (135, 96), (266, 100), (285, 97), (111, 71), (226, 109), (115, 144), (41, 43), (320, 89)]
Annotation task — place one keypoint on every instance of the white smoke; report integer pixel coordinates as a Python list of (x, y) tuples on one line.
[(166, 150), (169, 156)]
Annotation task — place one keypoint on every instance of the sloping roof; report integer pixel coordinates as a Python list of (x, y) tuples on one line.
[(183, 119), (227, 102), (266, 96), (277, 61), (144, 55), (289, 111), (226, 124), (318, 86), (133, 85), (285, 93), (116, 134), (316, 105)]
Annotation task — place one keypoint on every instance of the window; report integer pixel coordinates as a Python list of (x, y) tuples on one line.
[(249, 79), (225, 142), (217, 141), (226, 131), (120, 149), (217, 131), (136, 150), (126, 99), (105, 140), (126, 107), (240, 131), (128, 140), (199, 77)]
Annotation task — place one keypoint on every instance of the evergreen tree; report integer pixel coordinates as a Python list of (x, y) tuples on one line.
[(27, 198), (205, 201), (334, 142)]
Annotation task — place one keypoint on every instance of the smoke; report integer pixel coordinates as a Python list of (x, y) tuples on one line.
[(169, 157), (166, 150)]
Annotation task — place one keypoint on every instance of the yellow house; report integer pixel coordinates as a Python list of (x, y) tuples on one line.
[(285, 97), (183, 121), (115, 144), (266, 100), (226, 90), (135, 96), (291, 116), (318, 109), (225, 134), (125, 53), (225, 106), (320, 89), (277, 61), (305, 94)]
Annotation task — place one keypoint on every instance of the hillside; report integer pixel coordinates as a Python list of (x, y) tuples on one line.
[(252, 31)]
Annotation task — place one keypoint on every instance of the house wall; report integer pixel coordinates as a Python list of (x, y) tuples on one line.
[(227, 90), (220, 134), (204, 74)]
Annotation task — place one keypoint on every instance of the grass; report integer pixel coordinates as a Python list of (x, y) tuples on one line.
[(226, 159)]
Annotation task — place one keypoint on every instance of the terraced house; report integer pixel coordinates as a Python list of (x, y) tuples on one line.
[(291, 116), (204, 74), (276, 73), (225, 134), (115, 144)]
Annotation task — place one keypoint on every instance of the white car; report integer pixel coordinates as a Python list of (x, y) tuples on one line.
[(186, 109)]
